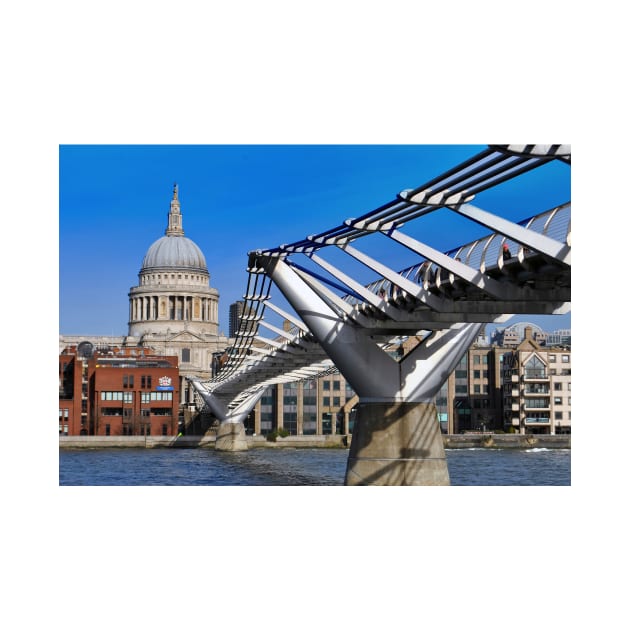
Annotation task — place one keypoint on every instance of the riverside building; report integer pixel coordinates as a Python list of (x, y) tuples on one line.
[(117, 391), (537, 388)]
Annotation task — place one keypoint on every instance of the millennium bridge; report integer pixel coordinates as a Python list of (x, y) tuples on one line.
[(343, 307)]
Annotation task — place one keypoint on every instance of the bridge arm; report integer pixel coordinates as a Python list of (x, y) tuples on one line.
[(220, 410)]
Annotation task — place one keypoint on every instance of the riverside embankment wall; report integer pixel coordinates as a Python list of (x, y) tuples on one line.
[(473, 440)]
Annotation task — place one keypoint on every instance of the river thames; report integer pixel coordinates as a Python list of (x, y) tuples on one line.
[(294, 467)]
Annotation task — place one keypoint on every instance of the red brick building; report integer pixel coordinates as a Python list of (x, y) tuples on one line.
[(117, 391)]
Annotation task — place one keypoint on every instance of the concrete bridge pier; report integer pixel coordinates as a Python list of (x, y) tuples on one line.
[(231, 431), (396, 444), (231, 437)]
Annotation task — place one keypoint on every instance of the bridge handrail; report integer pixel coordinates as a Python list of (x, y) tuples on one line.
[(483, 252)]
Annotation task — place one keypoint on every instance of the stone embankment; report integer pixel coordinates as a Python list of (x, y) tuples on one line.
[(506, 440), (466, 440)]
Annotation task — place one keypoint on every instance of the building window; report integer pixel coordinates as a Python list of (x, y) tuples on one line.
[(535, 368), (326, 401), (111, 411), (477, 389), (557, 400), (112, 395), (565, 358), (326, 386), (108, 429), (185, 355), (477, 374), (336, 402), (336, 386), (146, 397), (165, 429), (161, 411), (558, 415), (552, 358), (557, 387)]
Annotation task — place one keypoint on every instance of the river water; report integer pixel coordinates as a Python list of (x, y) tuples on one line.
[(294, 467)]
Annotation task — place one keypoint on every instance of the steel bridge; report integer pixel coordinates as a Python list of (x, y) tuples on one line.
[(336, 320)]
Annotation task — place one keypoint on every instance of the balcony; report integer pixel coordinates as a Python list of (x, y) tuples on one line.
[(535, 375), (536, 390), (536, 420), (543, 407)]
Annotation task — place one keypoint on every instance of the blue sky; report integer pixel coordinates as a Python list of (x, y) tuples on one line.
[(114, 200)]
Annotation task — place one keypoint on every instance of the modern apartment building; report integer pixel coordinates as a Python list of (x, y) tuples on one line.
[(537, 388)]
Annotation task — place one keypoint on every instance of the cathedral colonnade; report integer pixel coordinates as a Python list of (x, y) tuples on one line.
[(173, 308)]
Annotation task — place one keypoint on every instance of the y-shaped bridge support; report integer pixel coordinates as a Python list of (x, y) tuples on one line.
[(231, 431), (396, 438)]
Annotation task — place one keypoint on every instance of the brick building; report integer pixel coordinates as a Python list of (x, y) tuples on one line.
[(117, 391)]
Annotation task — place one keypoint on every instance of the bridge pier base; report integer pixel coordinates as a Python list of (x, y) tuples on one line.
[(397, 444), (231, 437)]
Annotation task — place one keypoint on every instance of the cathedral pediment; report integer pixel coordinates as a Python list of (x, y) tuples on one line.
[(185, 336)]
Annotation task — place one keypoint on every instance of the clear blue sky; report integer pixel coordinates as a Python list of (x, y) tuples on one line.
[(114, 201)]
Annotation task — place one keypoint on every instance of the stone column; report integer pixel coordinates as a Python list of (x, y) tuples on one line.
[(280, 406), (257, 414), (300, 409), (346, 421)]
